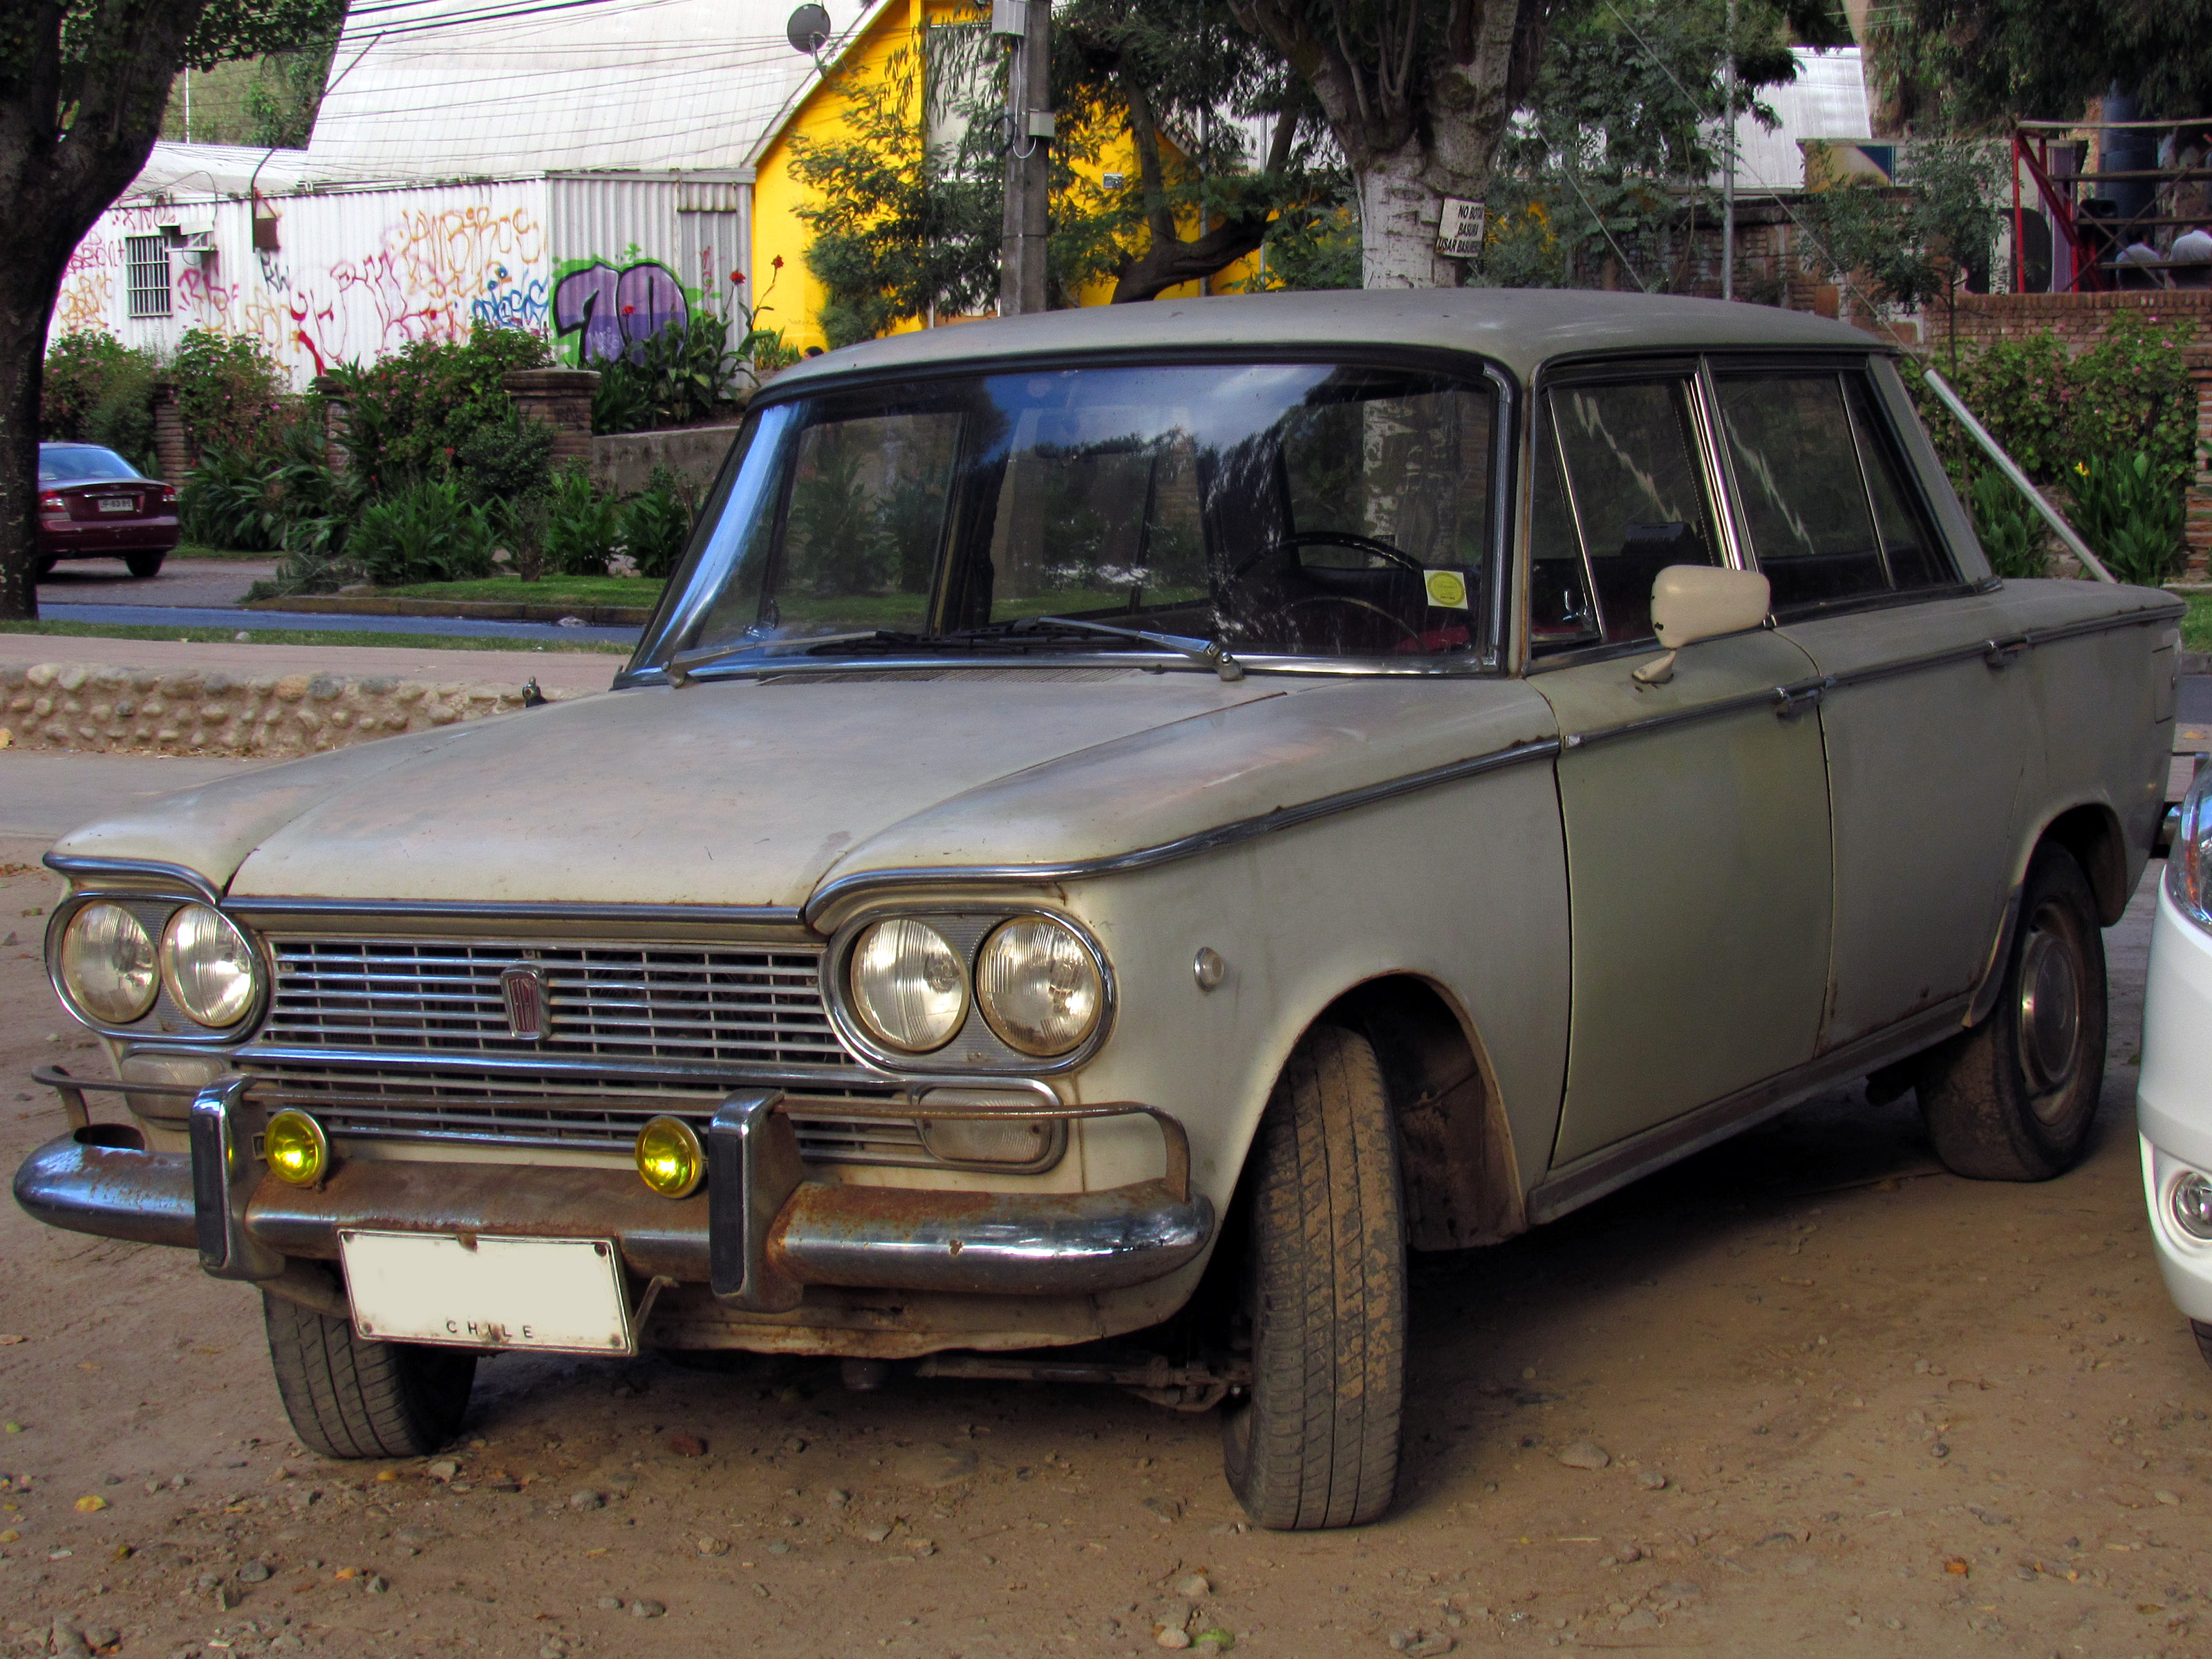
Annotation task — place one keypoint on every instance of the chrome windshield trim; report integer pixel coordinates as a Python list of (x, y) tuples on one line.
[(495, 911), (1460, 666), (1205, 841), (139, 872)]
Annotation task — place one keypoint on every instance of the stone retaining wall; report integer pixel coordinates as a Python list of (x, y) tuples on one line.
[(100, 707), (623, 461)]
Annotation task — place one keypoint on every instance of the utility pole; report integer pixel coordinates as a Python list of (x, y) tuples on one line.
[(1029, 151), (1728, 161)]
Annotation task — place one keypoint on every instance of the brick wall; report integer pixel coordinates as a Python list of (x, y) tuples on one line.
[(2079, 319)]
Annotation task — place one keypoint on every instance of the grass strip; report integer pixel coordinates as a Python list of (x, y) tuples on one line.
[(306, 636), (2196, 623), (635, 591)]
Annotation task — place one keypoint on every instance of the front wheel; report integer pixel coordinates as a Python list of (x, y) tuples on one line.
[(1324, 1297), (2013, 1098), (348, 1397)]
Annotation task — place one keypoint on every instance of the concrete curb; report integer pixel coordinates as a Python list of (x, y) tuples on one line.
[(2196, 662), (107, 709), (369, 604)]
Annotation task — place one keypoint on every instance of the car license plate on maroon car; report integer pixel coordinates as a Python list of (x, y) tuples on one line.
[(118, 503)]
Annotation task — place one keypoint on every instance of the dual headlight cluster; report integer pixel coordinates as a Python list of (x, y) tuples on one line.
[(1037, 982), (112, 968)]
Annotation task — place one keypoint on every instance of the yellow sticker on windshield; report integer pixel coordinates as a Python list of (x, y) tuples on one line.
[(1447, 589)]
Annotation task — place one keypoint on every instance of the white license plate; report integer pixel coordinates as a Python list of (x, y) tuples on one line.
[(118, 503), (564, 1294)]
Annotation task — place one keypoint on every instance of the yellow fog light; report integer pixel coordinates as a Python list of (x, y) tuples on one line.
[(296, 1148), (669, 1158)]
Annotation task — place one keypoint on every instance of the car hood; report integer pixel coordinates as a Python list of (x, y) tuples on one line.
[(752, 794)]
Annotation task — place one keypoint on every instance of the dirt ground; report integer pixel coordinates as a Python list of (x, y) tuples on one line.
[(1849, 1404)]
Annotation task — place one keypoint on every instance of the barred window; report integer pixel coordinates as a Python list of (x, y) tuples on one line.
[(146, 276)]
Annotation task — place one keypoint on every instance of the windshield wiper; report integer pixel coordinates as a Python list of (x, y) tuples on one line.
[(1207, 653), (684, 663)]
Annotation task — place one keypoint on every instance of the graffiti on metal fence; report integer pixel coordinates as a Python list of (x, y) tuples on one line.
[(508, 301), (614, 311)]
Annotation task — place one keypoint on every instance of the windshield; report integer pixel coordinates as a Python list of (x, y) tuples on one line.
[(1301, 509), (60, 462)]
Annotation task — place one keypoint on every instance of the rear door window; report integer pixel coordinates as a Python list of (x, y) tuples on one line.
[(1831, 516)]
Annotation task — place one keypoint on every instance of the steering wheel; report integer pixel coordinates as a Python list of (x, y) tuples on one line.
[(1282, 612), (1396, 555)]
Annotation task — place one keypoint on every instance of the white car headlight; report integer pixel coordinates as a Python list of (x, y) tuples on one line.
[(1039, 986), (107, 964), (909, 987), (208, 966)]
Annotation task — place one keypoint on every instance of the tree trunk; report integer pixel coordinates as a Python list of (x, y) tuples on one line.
[(1398, 210), (23, 316)]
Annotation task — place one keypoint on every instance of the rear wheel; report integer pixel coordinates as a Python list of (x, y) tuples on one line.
[(1324, 1293), (351, 1397), (2013, 1099), (144, 564), (46, 568)]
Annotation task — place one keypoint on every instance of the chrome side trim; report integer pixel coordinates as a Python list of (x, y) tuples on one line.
[(485, 911), (1205, 841), (1612, 1168), (134, 871), (1787, 702)]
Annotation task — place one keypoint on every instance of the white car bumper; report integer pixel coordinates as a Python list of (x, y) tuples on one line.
[(2173, 1096)]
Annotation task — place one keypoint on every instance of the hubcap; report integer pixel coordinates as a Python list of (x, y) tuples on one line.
[(2049, 1015)]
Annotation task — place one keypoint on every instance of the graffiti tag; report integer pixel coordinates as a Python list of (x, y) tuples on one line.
[(618, 311)]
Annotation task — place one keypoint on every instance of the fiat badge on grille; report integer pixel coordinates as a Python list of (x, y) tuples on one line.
[(522, 988)]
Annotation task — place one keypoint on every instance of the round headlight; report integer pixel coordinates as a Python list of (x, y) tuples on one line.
[(670, 1159), (909, 986), (107, 964), (296, 1148), (1039, 986), (208, 966)]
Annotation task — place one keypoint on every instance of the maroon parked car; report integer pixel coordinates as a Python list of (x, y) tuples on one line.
[(93, 504)]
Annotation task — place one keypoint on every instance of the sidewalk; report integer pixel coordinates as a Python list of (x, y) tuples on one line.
[(570, 672)]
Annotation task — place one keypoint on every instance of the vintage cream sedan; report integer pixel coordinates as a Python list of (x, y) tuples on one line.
[(1126, 823)]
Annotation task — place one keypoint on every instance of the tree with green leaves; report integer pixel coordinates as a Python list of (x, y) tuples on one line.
[(1419, 96), (83, 85), (1911, 244)]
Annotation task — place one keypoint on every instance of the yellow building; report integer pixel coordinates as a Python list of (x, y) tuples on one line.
[(890, 38)]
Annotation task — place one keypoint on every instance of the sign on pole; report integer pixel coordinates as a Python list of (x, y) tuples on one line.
[(1459, 231)]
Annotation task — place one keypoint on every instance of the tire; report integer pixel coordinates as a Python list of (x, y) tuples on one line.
[(142, 565), (1324, 1293), (351, 1397), (45, 568), (2202, 1333), (2015, 1099)]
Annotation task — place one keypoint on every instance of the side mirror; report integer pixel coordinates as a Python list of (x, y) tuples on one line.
[(1693, 602)]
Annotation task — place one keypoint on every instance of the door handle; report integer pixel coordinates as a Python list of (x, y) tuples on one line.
[(1791, 701)]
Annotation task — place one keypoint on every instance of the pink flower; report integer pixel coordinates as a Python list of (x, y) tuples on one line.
[(629, 311)]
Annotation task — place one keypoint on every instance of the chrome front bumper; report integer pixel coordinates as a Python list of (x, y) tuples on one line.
[(758, 1233)]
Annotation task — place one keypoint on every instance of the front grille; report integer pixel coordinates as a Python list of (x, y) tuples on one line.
[(614, 1002), (529, 1109)]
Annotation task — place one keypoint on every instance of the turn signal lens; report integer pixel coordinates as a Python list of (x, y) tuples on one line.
[(107, 964), (296, 1148), (670, 1159), (208, 966), (908, 985), (2192, 1205), (1039, 986), (2189, 864)]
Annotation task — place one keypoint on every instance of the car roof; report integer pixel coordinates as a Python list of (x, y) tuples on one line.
[(1521, 329)]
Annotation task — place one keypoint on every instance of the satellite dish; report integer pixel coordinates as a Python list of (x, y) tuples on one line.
[(809, 29)]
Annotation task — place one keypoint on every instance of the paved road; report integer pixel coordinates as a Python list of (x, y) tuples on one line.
[(160, 616), (182, 581)]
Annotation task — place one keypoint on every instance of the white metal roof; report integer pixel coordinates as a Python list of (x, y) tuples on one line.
[(458, 88), (1828, 99)]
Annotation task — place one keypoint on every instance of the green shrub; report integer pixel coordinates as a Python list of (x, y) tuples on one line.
[(656, 525), (410, 414), (97, 390), (2011, 530), (2129, 516), (230, 392), (583, 527), (247, 501), (505, 460), (682, 375), (426, 532)]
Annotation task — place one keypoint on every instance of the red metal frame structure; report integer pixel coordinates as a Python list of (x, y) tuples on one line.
[(2089, 269)]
